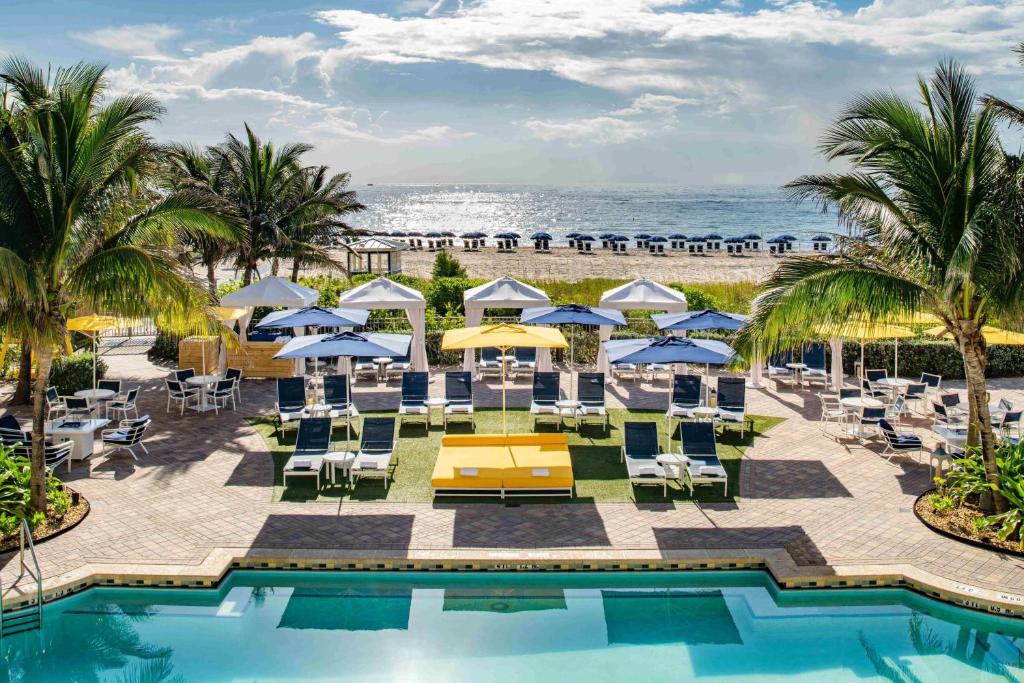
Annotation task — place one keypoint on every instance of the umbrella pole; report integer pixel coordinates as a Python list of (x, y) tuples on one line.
[(707, 384), (862, 373), (348, 409), (896, 368), (95, 352), (572, 359), (504, 421)]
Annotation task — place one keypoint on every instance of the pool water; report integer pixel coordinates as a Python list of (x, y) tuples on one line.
[(272, 626)]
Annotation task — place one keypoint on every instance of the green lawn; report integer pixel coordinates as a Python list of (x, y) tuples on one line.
[(600, 476)]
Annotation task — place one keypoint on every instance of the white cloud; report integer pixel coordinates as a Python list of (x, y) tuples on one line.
[(644, 115), (138, 40)]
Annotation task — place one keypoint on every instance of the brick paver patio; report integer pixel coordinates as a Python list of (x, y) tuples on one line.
[(810, 506)]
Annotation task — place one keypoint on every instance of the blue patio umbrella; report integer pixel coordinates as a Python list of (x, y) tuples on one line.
[(606, 235), (821, 238), (657, 238), (584, 237), (447, 233), (414, 233), (476, 234), (713, 236), (541, 236), (677, 236), (572, 314), (788, 238), (667, 350), (641, 236), (620, 238), (707, 319), (346, 345), (698, 238), (778, 240), (507, 235), (314, 316), (734, 240), (399, 233), (434, 233), (752, 236)]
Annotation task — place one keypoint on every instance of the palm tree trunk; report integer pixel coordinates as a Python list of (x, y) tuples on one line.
[(211, 278), (972, 347), (23, 390), (275, 266), (37, 484), (296, 264), (247, 275)]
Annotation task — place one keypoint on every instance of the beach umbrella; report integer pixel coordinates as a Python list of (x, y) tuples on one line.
[(447, 233), (821, 238), (434, 233), (713, 236), (777, 240), (787, 238), (541, 236), (734, 240), (641, 236), (606, 236), (707, 319), (91, 326), (866, 330), (698, 238), (503, 337), (572, 314), (572, 235), (751, 236), (677, 236), (583, 237), (657, 238), (399, 233), (620, 238), (507, 235), (668, 350), (992, 335), (314, 316), (476, 234), (346, 345)]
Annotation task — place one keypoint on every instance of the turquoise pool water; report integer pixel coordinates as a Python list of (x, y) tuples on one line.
[(268, 626)]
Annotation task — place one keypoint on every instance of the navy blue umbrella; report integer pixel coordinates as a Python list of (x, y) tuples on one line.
[(668, 350), (434, 233), (788, 238), (657, 238), (641, 236), (572, 235), (677, 236), (507, 235), (752, 236), (475, 234), (821, 238), (571, 314), (541, 236), (314, 316), (707, 319), (583, 237), (346, 344), (620, 238), (713, 236), (606, 235)]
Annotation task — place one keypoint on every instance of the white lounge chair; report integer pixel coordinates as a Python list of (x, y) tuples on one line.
[(640, 452), (701, 452), (376, 447)]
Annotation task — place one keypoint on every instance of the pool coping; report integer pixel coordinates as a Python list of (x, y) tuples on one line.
[(777, 562)]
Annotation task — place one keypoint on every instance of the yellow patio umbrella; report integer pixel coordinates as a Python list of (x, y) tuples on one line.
[(91, 325), (867, 330), (992, 335), (226, 314), (503, 337), (916, 319)]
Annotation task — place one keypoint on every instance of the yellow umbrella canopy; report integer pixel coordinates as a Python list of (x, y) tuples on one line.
[(867, 330), (916, 319), (226, 314), (504, 336), (992, 335), (91, 325)]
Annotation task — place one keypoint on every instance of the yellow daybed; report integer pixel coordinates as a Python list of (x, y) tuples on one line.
[(503, 465)]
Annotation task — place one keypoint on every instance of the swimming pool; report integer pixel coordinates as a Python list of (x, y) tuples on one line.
[(271, 626)]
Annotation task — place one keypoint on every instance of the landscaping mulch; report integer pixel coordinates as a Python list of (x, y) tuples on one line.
[(959, 523), (51, 527)]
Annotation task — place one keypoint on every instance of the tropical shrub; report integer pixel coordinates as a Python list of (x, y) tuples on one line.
[(696, 299), (165, 347), (445, 294), (74, 373), (446, 265), (1010, 464), (15, 494), (932, 355)]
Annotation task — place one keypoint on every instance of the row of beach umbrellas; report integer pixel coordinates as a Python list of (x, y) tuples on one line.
[(605, 236)]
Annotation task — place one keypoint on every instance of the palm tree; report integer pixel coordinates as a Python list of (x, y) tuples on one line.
[(1008, 112), (80, 228), (925, 201)]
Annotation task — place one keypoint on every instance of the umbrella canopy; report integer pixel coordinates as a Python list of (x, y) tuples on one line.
[(677, 236), (778, 240), (698, 238), (821, 238), (434, 233), (503, 336), (866, 330), (476, 234), (447, 233), (707, 319), (713, 236), (93, 323), (992, 335), (507, 235), (271, 291), (668, 350), (541, 236), (572, 314), (751, 236), (606, 235), (347, 344), (734, 240), (787, 238), (641, 236), (620, 238), (315, 316), (572, 235), (658, 238), (584, 237)]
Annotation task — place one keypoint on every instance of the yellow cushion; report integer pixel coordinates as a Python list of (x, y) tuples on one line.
[(503, 461)]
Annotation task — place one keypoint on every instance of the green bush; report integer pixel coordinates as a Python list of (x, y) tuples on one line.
[(934, 356), (445, 294), (446, 265), (164, 348), (74, 373), (15, 494), (696, 299)]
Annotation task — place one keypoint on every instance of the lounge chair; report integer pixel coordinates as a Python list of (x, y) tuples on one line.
[(590, 394), (898, 442), (814, 359), (336, 397), (490, 362), (364, 365), (869, 417), (658, 369), (415, 389), (458, 390), (400, 364), (732, 401), (545, 395), (526, 360), (686, 395), (376, 447), (620, 369), (777, 370), (291, 400), (312, 444), (702, 463), (640, 452), (126, 437)]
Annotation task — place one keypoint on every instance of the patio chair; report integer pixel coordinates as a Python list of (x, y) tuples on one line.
[(732, 401), (126, 437), (777, 370), (941, 415), (916, 392), (413, 406), (364, 365), (618, 370), (180, 392), (291, 400), (400, 364), (78, 408), (13, 436), (222, 392), (873, 375), (832, 411), (55, 406), (656, 370), (932, 381), (702, 463), (869, 418), (236, 375), (640, 452), (590, 394), (545, 394), (336, 397), (110, 385), (897, 409), (124, 405), (490, 363), (526, 360), (458, 390), (952, 403), (897, 442), (1010, 420), (867, 388), (376, 447), (814, 359), (183, 374), (312, 443)]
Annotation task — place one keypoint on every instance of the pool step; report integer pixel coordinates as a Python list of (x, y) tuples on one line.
[(27, 619)]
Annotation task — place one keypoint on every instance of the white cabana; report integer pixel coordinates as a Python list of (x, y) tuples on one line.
[(269, 291), (386, 294), (638, 295), (505, 292)]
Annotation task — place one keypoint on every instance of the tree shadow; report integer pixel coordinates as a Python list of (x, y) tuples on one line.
[(792, 479), (793, 539), (336, 532), (530, 526)]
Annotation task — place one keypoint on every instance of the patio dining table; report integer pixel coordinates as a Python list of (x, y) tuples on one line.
[(203, 381)]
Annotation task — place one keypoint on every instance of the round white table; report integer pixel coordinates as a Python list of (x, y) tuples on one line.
[(893, 384), (203, 381), (95, 396), (704, 413), (339, 460), (382, 364), (798, 372), (859, 402)]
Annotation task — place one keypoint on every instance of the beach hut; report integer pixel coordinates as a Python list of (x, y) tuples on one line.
[(696, 245), (639, 295), (713, 242), (541, 242), (508, 242), (375, 255), (656, 245), (821, 243), (677, 241), (386, 294), (641, 240), (752, 241), (505, 292), (473, 241), (734, 246), (584, 244)]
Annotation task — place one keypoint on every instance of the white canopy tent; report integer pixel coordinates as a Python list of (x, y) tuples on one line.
[(638, 295), (269, 291), (386, 294), (505, 292)]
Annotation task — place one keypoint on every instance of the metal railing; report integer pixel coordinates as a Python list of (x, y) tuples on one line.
[(30, 617)]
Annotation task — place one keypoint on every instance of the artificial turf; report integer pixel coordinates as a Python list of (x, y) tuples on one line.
[(599, 473)]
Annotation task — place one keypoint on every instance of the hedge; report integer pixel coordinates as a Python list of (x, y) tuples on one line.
[(937, 357), (74, 373)]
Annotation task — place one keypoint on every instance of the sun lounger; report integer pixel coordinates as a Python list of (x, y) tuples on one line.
[(686, 395), (291, 400), (336, 397), (814, 359), (732, 401), (312, 443), (701, 452), (545, 394), (590, 394), (640, 452), (526, 360), (490, 363), (510, 465), (458, 390), (413, 406), (376, 447), (777, 370)]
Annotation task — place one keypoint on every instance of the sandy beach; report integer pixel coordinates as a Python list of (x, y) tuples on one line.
[(565, 264)]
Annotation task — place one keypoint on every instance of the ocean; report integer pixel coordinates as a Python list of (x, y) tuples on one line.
[(622, 209)]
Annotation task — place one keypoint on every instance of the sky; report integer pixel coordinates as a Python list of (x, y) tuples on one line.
[(524, 91)]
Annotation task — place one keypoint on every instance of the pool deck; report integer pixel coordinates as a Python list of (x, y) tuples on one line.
[(813, 511)]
